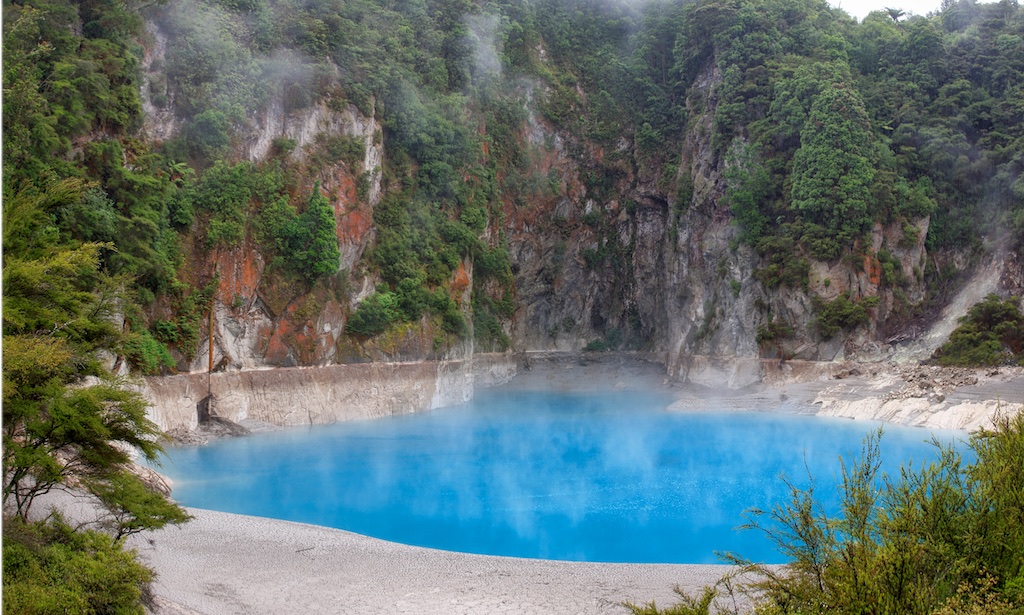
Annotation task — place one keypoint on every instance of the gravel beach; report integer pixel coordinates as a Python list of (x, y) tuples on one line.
[(221, 563)]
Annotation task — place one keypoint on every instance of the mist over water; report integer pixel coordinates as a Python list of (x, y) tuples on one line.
[(611, 477)]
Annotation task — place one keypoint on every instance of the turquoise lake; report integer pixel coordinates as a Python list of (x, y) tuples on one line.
[(610, 477)]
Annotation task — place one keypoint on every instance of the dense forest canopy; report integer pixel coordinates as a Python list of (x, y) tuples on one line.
[(825, 127)]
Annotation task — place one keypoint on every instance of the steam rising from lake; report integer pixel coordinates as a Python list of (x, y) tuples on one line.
[(610, 477)]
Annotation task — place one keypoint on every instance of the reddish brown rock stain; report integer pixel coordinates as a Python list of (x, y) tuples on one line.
[(461, 281), (240, 270)]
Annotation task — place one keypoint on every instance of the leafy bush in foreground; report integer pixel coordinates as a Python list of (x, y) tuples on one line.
[(948, 538), (49, 567)]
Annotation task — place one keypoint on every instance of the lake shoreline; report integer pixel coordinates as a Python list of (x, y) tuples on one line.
[(223, 563), (899, 393)]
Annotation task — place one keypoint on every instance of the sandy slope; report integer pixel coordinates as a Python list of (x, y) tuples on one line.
[(221, 563)]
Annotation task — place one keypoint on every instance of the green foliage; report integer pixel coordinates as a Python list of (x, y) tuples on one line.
[(784, 266), (832, 169), (190, 306), (59, 85), (687, 605), (374, 315), (54, 434), (748, 188), (146, 353), (224, 193), (315, 242), (773, 331), (50, 568), (139, 188), (419, 249), (842, 313), (915, 200), (207, 136), (59, 428), (992, 333), (892, 270), (333, 149), (452, 320), (488, 333), (492, 269), (134, 507), (842, 126), (937, 539)]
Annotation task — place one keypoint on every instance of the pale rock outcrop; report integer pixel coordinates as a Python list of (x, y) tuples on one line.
[(159, 121), (309, 395)]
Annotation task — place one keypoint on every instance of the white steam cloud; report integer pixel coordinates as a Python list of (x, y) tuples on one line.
[(484, 31)]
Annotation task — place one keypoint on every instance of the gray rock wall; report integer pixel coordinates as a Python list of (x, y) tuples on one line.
[(313, 395)]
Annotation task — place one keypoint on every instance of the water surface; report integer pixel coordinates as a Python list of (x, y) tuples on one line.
[(611, 477)]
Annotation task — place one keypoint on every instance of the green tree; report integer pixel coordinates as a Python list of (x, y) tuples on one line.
[(225, 191), (134, 507), (315, 242), (31, 135), (374, 315), (65, 418), (832, 169), (841, 313), (992, 333), (747, 190)]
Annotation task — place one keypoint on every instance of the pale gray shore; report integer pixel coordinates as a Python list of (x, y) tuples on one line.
[(221, 563)]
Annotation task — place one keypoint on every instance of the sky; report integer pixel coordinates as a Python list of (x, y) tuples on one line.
[(861, 8)]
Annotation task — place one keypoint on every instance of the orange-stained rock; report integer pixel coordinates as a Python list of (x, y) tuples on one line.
[(277, 350), (353, 219), (240, 270), (461, 281), (873, 268), (354, 225)]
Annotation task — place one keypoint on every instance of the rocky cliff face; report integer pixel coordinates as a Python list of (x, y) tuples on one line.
[(259, 319), (310, 396), (612, 250), (651, 266), (645, 266)]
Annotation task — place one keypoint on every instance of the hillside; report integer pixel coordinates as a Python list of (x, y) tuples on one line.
[(358, 181)]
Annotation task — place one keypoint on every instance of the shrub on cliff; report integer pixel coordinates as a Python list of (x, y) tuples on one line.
[(842, 313), (303, 245), (374, 315), (316, 240), (992, 333)]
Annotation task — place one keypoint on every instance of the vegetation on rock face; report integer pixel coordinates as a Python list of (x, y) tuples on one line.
[(946, 538), (824, 130), (842, 313)]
